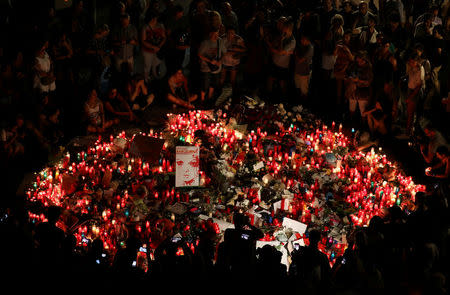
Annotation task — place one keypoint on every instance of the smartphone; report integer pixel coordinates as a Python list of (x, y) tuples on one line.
[(134, 263), (176, 239), (97, 261), (245, 236)]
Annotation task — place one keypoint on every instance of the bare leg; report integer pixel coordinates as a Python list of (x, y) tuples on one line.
[(210, 92)]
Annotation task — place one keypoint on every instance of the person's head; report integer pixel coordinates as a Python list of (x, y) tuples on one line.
[(442, 152), (103, 30), (434, 10), (214, 35), (112, 93), (328, 4), (413, 60), (385, 45), (227, 9), (177, 73), (363, 8), (53, 213), (337, 21), (395, 214), (230, 32), (438, 32), (151, 18), (394, 21), (216, 20), (122, 7), (347, 37), (361, 58), (429, 131), (178, 11), (428, 19), (78, 5), (53, 115), (201, 7), (92, 96), (125, 19), (376, 223), (20, 120), (260, 15), (239, 220), (314, 238), (361, 240), (347, 5), (419, 49), (43, 46), (287, 28), (420, 199)]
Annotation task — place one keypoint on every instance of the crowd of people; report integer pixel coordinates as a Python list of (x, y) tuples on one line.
[(379, 65)]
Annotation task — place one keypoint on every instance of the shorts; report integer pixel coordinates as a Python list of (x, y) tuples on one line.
[(230, 68), (209, 80), (279, 72), (362, 105)]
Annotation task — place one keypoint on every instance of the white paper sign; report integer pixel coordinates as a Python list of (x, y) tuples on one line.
[(294, 225), (187, 166), (223, 225)]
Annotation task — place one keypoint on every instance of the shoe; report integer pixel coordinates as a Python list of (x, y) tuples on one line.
[(150, 99)]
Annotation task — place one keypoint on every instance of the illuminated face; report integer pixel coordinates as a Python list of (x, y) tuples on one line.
[(113, 93), (363, 8), (93, 96), (230, 34), (179, 75), (189, 169)]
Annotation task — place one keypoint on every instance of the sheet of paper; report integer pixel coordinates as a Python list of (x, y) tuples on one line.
[(295, 225), (187, 166), (223, 225)]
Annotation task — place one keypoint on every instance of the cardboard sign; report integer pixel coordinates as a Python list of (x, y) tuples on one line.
[(147, 148), (187, 166)]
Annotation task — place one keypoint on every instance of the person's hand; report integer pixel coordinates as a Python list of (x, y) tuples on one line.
[(428, 172)]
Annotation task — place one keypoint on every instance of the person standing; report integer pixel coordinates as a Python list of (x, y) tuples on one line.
[(44, 80), (153, 37), (359, 76), (303, 66), (211, 54), (124, 39), (416, 82), (235, 48), (281, 50)]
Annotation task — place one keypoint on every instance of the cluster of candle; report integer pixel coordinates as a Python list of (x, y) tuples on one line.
[(362, 184)]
